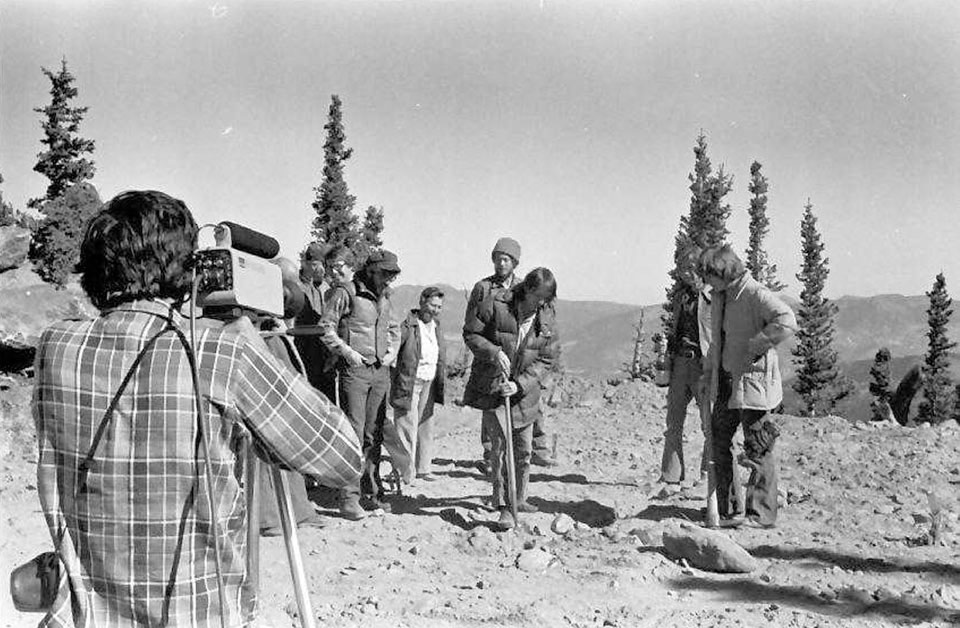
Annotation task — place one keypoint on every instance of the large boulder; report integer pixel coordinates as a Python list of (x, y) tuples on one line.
[(27, 307), (707, 549), (14, 246)]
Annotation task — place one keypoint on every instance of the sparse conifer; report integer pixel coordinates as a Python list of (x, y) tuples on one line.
[(370, 239), (70, 201), (64, 162), (335, 222), (880, 374), (818, 382), (937, 387), (757, 262), (704, 226), (880, 386)]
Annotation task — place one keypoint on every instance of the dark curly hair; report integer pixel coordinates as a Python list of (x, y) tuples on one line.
[(721, 262), (138, 247), (535, 280)]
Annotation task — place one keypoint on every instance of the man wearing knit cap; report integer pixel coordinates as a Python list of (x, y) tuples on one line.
[(505, 257)]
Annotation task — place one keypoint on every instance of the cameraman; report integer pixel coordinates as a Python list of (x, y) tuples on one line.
[(134, 532)]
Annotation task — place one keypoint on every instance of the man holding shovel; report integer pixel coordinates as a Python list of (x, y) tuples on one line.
[(515, 342)]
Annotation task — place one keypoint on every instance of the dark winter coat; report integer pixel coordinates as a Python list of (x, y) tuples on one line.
[(496, 327), (404, 374)]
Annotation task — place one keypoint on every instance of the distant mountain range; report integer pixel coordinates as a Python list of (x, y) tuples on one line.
[(597, 336)]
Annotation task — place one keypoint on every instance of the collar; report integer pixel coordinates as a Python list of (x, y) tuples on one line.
[(159, 307)]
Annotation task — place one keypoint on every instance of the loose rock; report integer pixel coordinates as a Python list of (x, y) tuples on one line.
[(707, 549)]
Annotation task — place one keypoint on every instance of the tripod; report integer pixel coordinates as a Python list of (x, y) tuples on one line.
[(287, 518), (289, 527)]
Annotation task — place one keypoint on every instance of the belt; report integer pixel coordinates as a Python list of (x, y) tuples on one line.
[(688, 353)]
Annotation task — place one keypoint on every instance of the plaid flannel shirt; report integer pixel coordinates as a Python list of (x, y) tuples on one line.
[(137, 543)]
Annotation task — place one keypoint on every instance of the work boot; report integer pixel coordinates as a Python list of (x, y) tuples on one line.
[(543, 460), (352, 511), (506, 521), (376, 503), (527, 507)]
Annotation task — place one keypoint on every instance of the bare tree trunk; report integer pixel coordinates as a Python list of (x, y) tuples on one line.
[(636, 367)]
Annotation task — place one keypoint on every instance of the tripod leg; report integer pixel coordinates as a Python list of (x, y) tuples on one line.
[(511, 462), (287, 522), (253, 522)]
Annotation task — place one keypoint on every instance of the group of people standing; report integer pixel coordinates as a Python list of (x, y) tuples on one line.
[(123, 403), (387, 371), (722, 348)]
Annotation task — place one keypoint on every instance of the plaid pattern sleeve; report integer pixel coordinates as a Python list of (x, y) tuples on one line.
[(137, 546), (297, 425)]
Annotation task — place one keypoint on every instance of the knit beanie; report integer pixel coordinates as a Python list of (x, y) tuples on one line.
[(509, 246)]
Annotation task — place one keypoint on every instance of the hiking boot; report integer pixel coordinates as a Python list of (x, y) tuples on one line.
[(352, 511), (543, 460), (372, 503), (527, 507), (731, 522), (754, 522), (506, 521)]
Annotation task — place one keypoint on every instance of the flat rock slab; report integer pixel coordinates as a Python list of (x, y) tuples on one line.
[(707, 549)]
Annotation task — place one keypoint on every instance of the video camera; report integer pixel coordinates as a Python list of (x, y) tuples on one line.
[(235, 277)]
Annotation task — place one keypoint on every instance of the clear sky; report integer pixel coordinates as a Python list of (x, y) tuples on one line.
[(568, 125)]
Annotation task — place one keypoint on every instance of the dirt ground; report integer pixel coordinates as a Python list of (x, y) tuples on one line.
[(852, 548)]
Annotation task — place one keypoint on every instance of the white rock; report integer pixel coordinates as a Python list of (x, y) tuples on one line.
[(562, 524)]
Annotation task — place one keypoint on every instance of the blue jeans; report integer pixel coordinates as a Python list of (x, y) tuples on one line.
[(761, 490), (522, 449), (684, 376), (363, 397)]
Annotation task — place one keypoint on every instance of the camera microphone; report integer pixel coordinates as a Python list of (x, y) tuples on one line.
[(231, 235)]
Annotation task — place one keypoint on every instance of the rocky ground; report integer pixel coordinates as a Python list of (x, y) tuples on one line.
[(860, 541)]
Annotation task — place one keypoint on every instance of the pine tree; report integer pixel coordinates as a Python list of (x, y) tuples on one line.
[(880, 373), (335, 223), (55, 247), (936, 403), (818, 382), (704, 226), (63, 163), (707, 222), (370, 231), (757, 263), (880, 386)]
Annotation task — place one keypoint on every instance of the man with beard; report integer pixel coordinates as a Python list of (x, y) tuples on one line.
[(360, 328)]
